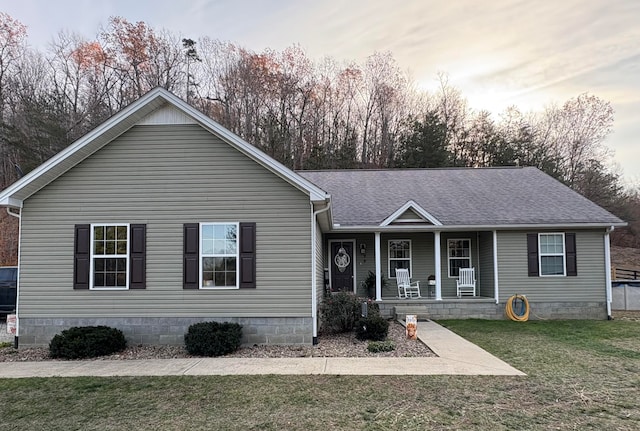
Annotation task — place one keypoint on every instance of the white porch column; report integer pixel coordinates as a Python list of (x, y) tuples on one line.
[(378, 269), (495, 267), (436, 248)]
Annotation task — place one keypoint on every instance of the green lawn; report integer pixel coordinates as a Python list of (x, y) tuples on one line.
[(581, 375)]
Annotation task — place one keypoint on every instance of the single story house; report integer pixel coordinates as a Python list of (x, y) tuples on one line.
[(160, 218)]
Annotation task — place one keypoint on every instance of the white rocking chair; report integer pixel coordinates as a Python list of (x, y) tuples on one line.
[(466, 283), (406, 289)]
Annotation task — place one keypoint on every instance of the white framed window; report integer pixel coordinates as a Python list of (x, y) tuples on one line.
[(109, 267), (459, 255), (399, 256), (219, 255), (551, 252)]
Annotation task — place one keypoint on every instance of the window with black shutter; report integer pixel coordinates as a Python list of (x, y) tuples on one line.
[(109, 256), (219, 255), (551, 254)]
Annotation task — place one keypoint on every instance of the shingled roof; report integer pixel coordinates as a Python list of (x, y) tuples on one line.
[(463, 197)]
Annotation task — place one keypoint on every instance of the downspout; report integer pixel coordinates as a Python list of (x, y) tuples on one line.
[(607, 269), (19, 217), (314, 276)]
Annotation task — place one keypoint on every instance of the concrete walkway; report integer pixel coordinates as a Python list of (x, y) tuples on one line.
[(456, 356)]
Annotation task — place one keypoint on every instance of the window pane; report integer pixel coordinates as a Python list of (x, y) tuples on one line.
[(402, 264), (219, 246), (231, 264), (110, 279), (121, 265), (98, 264), (231, 247), (551, 265), (98, 280), (219, 264), (121, 247), (110, 247), (456, 264), (207, 246), (219, 279), (551, 244), (207, 264), (111, 232), (110, 264), (230, 279), (98, 247), (231, 232), (219, 231), (207, 231), (122, 232), (121, 279), (98, 232)]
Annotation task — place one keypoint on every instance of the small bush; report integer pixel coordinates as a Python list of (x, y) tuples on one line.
[(373, 327), (369, 284), (340, 312), (213, 338), (381, 346), (87, 342)]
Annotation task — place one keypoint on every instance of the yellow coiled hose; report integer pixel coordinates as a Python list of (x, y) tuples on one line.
[(516, 311)]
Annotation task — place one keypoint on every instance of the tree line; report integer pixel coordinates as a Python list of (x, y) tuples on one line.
[(307, 114)]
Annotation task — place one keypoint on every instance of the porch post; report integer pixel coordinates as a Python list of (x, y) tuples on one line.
[(436, 247), (495, 267), (378, 269)]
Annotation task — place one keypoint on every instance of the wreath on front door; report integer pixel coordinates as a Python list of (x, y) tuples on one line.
[(342, 259)]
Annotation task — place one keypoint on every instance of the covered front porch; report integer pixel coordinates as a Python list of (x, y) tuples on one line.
[(433, 258)]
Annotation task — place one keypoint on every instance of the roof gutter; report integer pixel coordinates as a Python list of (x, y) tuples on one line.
[(458, 228)]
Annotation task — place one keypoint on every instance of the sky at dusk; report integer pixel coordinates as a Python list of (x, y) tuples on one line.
[(498, 53)]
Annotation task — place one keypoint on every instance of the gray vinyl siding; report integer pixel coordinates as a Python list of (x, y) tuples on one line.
[(485, 276), (588, 285), (165, 176)]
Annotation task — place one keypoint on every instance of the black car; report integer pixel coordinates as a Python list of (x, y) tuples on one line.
[(8, 289)]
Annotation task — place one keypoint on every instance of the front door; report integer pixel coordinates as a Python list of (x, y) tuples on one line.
[(342, 266)]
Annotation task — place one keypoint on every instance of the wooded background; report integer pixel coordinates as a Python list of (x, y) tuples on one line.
[(307, 114)]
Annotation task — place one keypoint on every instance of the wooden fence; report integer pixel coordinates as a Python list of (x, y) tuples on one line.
[(624, 274)]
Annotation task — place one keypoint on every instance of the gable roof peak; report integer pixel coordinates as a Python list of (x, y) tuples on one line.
[(411, 205)]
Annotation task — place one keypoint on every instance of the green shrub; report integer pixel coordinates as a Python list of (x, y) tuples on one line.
[(381, 346), (87, 342), (340, 312), (373, 327), (213, 338)]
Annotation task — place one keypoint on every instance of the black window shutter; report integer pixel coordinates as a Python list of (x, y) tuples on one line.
[(82, 243), (532, 254), (571, 255), (247, 255), (190, 276), (137, 256)]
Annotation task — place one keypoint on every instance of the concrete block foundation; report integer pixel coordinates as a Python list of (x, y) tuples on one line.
[(171, 330)]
